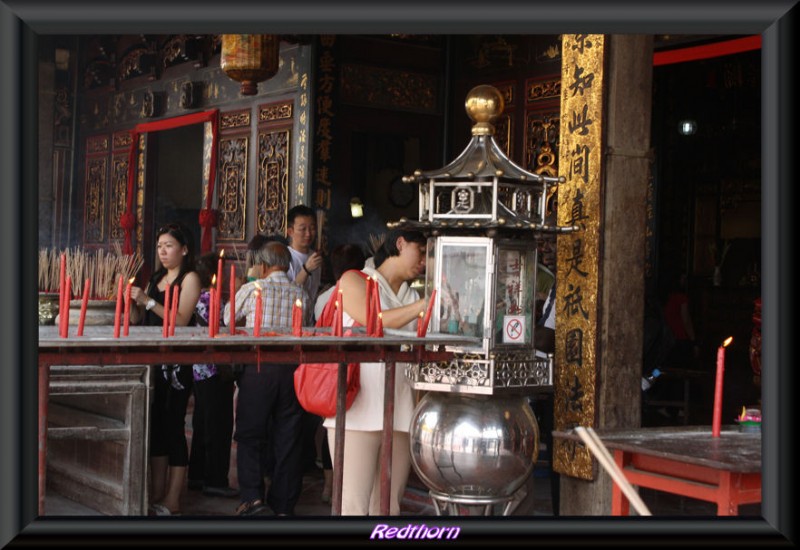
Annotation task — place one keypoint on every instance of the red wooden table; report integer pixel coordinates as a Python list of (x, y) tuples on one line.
[(687, 461), (145, 345)]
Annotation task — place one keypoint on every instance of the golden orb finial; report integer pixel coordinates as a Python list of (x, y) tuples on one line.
[(484, 104)]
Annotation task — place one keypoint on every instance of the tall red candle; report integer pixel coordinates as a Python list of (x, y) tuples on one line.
[(259, 313), (232, 320), (165, 319), (173, 312), (214, 306), (118, 310), (67, 297), (219, 275), (84, 304), (420, 321), (717, 420), (376, 309), (127, 315), (297, 318), (62, 305), (428, 312), (370, 317), (211, 313), (338, 315)]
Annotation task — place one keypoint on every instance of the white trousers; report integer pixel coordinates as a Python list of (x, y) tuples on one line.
[(361, 485)]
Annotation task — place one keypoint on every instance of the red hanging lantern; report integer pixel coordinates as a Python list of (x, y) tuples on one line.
[(250, 59)]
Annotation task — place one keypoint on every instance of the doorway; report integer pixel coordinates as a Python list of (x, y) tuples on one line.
[(175, 182)]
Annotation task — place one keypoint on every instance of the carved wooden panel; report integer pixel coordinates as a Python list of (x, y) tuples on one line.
[(389, 88), (543, 89), (504, 132), (272, 191), (276, 111), (119, 194), (234, 119), (95, 190), (542, 129), (232, 194)]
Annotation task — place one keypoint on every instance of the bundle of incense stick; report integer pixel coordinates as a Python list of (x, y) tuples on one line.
[(101, 267), (375, 242), (320, 228)]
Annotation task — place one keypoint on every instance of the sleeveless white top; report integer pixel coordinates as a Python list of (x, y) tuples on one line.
[(366, 413)]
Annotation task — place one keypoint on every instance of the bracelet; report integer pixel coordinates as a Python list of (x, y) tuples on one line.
[(306, 269)]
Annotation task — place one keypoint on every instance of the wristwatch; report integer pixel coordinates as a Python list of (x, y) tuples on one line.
[(151, 303)]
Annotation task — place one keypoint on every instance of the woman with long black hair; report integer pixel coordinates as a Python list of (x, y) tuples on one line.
[(172, 384)]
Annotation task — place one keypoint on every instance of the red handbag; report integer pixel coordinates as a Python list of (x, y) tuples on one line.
[(315, 383)]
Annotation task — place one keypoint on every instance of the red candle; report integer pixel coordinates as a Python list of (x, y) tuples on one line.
[(717, 420), (338, 316), (165, 320), (232, 320), (84, 304), (219, 273), (259, 313), (62, 282), (118, 310), (428, 311), (297, 318), (213, 306), (376, 309), (67, 297), (127, 315), (370, 317), (211, 313), (173, 312), (420, 332)]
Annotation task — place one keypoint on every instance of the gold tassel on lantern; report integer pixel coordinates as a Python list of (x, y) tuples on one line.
[(250, 59)]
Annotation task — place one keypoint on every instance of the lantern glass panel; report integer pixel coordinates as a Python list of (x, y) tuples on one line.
[(463, 273), (516, 297)]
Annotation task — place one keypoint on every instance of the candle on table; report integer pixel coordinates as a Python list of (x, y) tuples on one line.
[(62, 282), (211, 313), (233, 299), (420, 320), (127, 315), (297, 318), (219, 273), (213, 306), (376, 309), (428, 312), (165, 319), (370, 318), (118, 310), (67, 297), (173, 312), (717, 419), (338, 315), (84, 304), (259, 312)]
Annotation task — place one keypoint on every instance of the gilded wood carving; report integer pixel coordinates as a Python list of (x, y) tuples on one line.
[(272, 189)]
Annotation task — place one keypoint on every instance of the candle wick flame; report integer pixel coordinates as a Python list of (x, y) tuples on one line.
[(727, 341)]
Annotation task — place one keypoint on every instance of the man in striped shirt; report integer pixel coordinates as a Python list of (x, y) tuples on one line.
[(266, 400)]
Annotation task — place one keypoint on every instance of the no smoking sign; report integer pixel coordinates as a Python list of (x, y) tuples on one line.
[(513, 329)]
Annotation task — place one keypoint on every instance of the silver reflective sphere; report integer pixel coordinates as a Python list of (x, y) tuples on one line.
[(473, 445)]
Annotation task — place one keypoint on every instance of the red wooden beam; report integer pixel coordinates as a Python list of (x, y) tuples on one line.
[(707, 51)]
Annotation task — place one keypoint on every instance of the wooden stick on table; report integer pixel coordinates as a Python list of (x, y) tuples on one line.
[(591, 440)]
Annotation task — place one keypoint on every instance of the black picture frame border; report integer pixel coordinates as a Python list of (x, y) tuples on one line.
[(21, 21)]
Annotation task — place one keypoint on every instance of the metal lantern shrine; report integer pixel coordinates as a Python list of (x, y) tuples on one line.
[(250, 59), (474, 439)]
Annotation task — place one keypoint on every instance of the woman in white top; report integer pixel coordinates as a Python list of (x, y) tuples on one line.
[(400, 259)]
